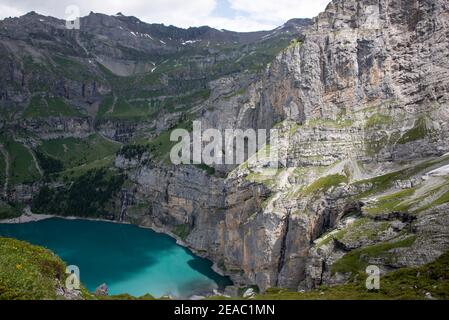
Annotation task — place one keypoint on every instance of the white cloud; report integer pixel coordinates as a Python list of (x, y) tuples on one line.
[(279, 10), (238, 23), (251, 15), (154, 10), (7, 11)]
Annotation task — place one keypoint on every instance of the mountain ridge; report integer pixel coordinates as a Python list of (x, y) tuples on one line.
[(359, 98), (131, 21)]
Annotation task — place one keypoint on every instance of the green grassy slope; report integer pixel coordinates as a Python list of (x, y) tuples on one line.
[(40, 107), (355, 262), (74, 152), (23, 168), (160, 147), (123, 109), (28, 272)]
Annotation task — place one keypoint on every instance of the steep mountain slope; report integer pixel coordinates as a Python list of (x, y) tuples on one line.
[(362, 136), (66, 94), (359, 98), (117, 69), (367, 127)]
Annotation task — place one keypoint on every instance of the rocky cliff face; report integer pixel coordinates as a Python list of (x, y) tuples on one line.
[(362, 106), (360, 101)]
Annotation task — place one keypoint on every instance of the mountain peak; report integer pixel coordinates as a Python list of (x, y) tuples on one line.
[(32, 14)]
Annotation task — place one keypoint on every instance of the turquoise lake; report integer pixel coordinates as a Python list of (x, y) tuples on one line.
[(127, 258)]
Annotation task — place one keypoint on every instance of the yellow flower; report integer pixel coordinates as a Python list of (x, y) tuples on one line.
[(18, 266)]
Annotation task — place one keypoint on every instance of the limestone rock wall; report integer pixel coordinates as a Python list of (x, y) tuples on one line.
[(363, 92)]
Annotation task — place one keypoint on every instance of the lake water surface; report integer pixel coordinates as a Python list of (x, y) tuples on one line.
[(127, 258)]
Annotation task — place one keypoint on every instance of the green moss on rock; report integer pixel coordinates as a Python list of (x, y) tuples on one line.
[(378, 120), (392, 202), (182, 231), (418, 132), (356, 261), (325, 183)]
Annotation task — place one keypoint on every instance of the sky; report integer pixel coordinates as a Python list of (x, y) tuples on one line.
[(236, 15)]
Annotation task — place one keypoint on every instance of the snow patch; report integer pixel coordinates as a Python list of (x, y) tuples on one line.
[(190, 42), (440, 172), (269, 35)]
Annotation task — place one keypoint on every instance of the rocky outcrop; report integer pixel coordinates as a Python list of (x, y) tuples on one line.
[(102, 291), (408, 243), (57, 127)]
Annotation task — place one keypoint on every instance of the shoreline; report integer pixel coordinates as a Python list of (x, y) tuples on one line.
[(26, 218), (29, 217), (33, 217)]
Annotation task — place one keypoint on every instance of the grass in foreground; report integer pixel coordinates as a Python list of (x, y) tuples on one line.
[(28, 272)]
